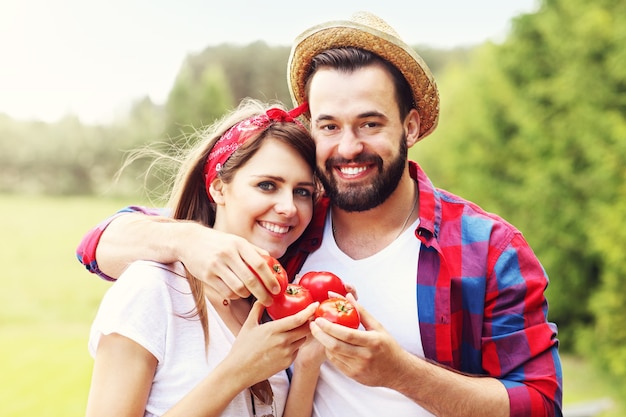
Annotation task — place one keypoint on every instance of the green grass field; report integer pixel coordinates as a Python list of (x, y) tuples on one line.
[(48, 300), (47, 303)]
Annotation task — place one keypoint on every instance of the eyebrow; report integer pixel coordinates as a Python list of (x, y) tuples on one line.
[(372, 113), (323, 117), (364, 115), (281, 179)]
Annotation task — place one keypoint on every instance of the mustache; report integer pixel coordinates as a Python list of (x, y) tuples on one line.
[(363, 158)]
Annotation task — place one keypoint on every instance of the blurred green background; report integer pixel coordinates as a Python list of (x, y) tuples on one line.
[(532, 128)]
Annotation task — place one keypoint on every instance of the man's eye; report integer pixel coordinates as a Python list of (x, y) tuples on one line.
[(328, 127)]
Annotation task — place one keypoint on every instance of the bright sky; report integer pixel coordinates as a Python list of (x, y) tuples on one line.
[(92, 58)]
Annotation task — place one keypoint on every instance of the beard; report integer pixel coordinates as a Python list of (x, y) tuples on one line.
[(364, 196)]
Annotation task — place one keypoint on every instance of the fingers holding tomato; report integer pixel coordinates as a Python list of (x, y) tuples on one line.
[(350, 289), (294, 299), (339, 310), (279, 274)]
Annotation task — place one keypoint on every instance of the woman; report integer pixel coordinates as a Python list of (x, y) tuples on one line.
[(165, 345)]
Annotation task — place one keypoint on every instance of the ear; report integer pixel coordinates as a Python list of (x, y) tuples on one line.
[(217, 191), (412, 127)]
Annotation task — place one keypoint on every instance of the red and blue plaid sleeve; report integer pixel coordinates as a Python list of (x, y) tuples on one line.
[(86, 251), (520, 346)]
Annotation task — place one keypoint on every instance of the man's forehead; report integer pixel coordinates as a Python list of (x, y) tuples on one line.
[(360, 94)]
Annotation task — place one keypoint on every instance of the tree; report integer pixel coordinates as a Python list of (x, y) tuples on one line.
[(535, 131), (199, 96), (255, 70)]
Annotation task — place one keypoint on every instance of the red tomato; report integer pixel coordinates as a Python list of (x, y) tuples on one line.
[(295, 298), (339, 310), (320, 282), (279, 274)]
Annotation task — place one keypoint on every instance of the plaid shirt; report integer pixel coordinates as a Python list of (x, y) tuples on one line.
[(480, 295)]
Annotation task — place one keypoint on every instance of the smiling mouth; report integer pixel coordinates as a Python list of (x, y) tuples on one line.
[(352, 171), (274, 228)]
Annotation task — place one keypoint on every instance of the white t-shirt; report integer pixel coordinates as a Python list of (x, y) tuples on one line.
[(151, 305), (386, 286)]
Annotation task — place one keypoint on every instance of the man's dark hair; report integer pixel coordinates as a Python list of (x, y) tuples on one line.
[(349, 59)]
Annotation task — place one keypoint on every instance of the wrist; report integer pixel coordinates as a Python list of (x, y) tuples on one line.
[(176, 234), (230, 386), (407, 367), (310, 367)]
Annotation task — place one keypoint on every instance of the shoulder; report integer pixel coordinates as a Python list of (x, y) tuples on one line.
[(147, 292), (471, 218), (454, 220), (147, 279)]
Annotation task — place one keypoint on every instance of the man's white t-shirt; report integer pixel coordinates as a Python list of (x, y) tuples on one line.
[(151, 305), (386, 286)]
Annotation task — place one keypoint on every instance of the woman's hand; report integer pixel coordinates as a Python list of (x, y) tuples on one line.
[(261, 350)]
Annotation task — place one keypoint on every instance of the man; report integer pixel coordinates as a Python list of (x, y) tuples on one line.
[(451, 297)]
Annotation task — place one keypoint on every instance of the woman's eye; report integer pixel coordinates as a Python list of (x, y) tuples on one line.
[(303, 192), (266, 186)]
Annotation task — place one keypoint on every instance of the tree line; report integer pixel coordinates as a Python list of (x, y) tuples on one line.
[(532, 128), (68, 157)]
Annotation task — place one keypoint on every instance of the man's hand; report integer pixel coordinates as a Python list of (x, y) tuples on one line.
[(365, 356), (221, 261), (374, 358)]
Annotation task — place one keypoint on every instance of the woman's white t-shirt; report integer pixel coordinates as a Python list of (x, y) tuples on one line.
[(152, 304)]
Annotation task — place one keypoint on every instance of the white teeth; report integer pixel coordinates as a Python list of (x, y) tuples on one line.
[(352, 170), (274, 227)]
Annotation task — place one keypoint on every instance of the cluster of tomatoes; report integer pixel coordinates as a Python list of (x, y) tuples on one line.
[(313, 286)]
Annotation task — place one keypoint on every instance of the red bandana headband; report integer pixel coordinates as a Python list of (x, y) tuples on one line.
[(240, 133)]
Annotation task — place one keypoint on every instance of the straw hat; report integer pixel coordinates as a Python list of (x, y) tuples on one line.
[(369, 32)]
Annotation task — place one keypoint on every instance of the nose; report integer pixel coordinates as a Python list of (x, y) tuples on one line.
[(349, 145), (285, 205)]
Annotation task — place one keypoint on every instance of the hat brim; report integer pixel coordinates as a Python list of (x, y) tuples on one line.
[(352, 34)]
